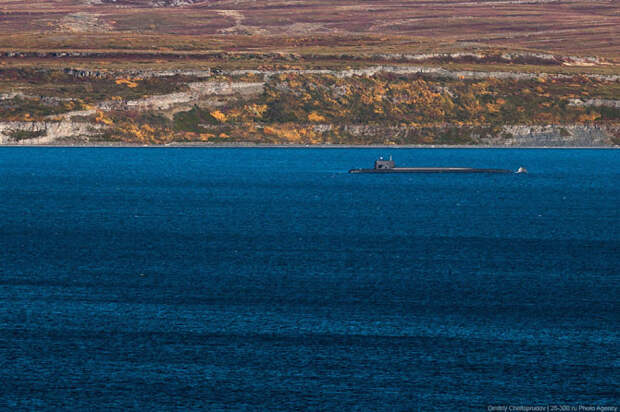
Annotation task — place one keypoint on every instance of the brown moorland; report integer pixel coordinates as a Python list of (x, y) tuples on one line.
[(580, 27)]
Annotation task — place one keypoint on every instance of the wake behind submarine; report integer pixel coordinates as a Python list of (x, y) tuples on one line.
[(388, 166)]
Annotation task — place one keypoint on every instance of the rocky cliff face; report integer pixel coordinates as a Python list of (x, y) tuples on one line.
[(540, 59), (66, 131), (196, 92), (234, 102), (72, 132), (555, 136), (509, 136)]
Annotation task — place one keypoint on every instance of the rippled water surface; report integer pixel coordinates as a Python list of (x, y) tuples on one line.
[(271, 279)]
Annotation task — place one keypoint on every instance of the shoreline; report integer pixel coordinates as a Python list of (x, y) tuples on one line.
[(242, 145)]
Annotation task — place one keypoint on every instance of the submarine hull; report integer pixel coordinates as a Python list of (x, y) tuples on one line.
[(430, 170)]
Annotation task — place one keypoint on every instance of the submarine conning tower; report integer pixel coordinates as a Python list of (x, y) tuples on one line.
[(381, 163)]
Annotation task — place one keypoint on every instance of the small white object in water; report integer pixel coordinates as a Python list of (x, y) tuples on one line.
[(521, 170)]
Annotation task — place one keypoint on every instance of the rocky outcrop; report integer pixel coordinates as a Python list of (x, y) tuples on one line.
[(368, 71), (197, 91), (41, 99), (48, 132), (508, 136), (485, 57), (68, 132), (554, 135), (81, 22), (595, 103), (425, 70), (87, 74), (465, 74)]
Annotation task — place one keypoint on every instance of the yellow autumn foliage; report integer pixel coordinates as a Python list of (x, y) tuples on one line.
[(256, 109), (219, 116), (127, 130), (148, 129), (270, 130), (128, 82), (315, 117), (103, 119), (492, 108), (232, 114), (588, 117)]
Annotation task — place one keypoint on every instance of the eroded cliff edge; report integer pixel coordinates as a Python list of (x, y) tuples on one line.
[(399, 104)]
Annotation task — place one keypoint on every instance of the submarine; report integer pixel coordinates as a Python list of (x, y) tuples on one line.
[(388, 166)]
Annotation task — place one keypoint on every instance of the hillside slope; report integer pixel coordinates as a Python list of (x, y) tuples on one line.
[(500, 72)]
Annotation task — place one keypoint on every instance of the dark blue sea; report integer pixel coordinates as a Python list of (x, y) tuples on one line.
[(270, 279)]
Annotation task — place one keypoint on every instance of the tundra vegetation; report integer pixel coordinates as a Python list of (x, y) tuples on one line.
[(314, 109), (445, 72)]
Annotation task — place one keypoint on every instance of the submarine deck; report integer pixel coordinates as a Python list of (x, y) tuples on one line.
[(430, 170)]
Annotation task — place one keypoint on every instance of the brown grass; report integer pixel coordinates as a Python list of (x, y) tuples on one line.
[(580, 27)]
